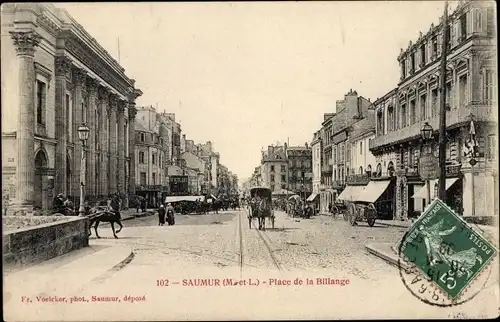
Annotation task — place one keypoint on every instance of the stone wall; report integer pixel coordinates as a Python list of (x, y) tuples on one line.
[(35, 244)]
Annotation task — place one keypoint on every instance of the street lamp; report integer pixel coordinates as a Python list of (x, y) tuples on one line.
[(427, 132), (83, 135)]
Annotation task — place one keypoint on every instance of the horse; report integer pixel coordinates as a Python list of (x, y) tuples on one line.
[(262, 210), (101, 213)]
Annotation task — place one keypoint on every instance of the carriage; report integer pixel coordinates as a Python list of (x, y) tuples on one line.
[(361, 211), (261, 207)]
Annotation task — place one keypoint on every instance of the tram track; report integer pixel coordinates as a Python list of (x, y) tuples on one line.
[(266, 241)]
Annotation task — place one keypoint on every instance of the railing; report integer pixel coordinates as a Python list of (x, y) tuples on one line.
[(149, 187), (358, 179), (326, 169), (453, 117)]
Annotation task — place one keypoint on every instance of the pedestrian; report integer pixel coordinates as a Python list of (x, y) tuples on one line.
[(170, 214), (137, 204), (115, 206), (161, 215)]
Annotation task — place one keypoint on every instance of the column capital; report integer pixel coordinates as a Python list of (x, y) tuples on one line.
[(92, 85), (133, 95), (25, 42), (103, 93), (62, 65), (121, 106), (113, 100), (79, 76), (132, 112)]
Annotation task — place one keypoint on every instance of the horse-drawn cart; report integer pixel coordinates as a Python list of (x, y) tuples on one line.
[(260, 207), (361, 211)]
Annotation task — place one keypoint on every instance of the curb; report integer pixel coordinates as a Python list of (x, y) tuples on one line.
[(392, 225), (389, 257)]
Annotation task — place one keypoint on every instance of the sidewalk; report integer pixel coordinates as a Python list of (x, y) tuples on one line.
[(131, 213), (69, 273)]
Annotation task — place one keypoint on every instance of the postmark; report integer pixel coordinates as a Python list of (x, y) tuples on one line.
[(442, 260)]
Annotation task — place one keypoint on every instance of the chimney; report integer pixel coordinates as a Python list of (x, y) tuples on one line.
[(306, 146)]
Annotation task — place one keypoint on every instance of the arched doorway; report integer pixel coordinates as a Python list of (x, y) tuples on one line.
[(41, 164)]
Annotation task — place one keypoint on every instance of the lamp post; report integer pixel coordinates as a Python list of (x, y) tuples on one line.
[(83, 135), (472, 153), (426, 132)]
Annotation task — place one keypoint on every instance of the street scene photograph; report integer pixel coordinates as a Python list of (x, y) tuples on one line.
[(250, 160)]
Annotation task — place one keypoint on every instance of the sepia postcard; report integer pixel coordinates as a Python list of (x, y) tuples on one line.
[(302, 160)]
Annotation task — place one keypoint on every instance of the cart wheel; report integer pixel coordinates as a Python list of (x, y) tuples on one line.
[(345, 215), (352, 214), (371, 213), (371, 222)]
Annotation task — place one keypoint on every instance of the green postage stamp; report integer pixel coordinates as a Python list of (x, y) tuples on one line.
[(446, 250)]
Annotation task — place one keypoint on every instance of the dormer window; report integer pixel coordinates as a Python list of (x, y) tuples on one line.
[(412, 62), (403, 68), (143, 137), (434, 47), (422, 56)]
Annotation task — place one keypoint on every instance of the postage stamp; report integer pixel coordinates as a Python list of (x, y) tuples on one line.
[(446, 251)]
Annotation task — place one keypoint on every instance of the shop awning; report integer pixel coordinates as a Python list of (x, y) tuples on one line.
[(374, 190), (351, 193), (422, 192), (312, 197), (183, 198)]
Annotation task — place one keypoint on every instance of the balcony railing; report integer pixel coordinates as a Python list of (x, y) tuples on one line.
[(326, 169), (358, 179), (453, 118)]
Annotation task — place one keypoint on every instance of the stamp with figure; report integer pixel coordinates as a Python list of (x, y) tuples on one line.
[(446, 256)]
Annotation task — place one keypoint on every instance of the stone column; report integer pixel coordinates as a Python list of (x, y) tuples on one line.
[(25, 42), (103, 95), (92, 85), (112, 146), (78, 80), (131, 147), (121, 147), (62, 68)]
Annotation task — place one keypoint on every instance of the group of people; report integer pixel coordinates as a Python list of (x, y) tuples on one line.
[(168, 212)]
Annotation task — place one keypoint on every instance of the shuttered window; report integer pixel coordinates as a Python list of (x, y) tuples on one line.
[(40, 102)]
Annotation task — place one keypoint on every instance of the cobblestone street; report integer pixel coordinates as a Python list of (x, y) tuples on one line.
[(221, 246)]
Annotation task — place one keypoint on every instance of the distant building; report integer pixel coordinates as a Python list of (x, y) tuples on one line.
[(274, 168), (300, 172)]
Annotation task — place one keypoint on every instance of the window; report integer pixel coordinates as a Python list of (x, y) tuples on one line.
[(422, 56), (390, 118), (143, 179), (272, 168), (488, 86), (463, 27), (492, 144), (361, 147), (283, 186), (449, 97), (434, 103), (143, 137), (403, 115), (40, 102), (153, 159), (423, 107), (413, 112), (360, 170), (283, 178), (380, 122), (272, 177), (141, 157), (448, 37), (403, 68), (283, 168), (434, 47), (335, 174), (154, 178), (412, 62), (481, 145), (463, 90)]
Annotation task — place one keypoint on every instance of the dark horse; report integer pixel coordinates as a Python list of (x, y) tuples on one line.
[(100, 213), (261, 210)]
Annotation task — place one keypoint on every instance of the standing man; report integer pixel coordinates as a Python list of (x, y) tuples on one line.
[(115, 206)]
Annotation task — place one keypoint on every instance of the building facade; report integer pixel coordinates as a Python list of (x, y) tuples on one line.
[(152, 147), (300, 169), (274, 168), (55, 77), (470, 96), (327, 193), (316, 146)]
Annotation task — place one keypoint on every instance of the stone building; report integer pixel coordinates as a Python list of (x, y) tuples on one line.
[(327, 193), (274, 168), (55, 77), (470, 95), (349, 111), (299, 169), (316, 146), (152, 154), (211, 159)]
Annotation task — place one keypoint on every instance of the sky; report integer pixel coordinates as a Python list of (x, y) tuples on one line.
[(248, 75)]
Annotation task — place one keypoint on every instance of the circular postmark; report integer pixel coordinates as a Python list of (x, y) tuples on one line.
[(422, 284)]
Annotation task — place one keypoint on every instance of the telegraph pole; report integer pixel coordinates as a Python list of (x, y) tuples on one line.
[(442, 108)]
